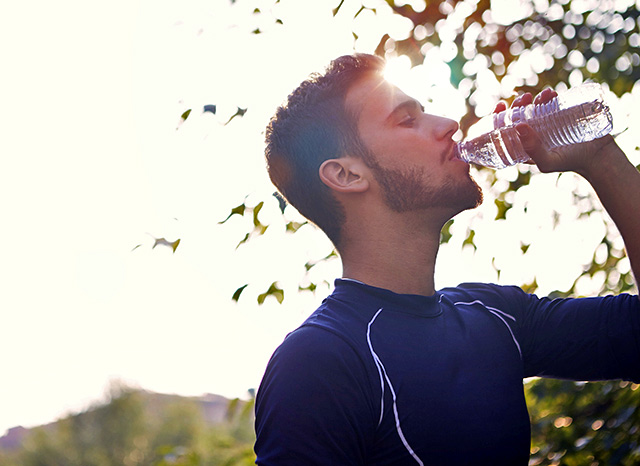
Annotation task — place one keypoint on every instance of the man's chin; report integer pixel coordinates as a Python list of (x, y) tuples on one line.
[(472, 192), (473, 200), (479, 198)]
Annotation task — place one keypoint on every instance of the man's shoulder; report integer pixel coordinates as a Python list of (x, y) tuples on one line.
[(311, 341), (314, 356), (331, 338), (312, 336), (484, 291)]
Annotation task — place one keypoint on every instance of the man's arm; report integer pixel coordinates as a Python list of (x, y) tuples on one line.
[(617, 183), (605, 166), (314, 406)]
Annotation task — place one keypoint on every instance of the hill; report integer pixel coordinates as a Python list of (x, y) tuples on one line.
[(138, 427)]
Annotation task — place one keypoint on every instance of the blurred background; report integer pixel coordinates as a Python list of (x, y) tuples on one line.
[(147, 270)]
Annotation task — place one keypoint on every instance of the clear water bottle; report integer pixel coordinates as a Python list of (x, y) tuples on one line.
[(577, 115)]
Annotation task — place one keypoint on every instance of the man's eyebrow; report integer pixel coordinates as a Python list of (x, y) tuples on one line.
[(406, 105)]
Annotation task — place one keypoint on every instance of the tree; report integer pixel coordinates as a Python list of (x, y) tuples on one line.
[(139, 428), (584, 423), (111, 434)]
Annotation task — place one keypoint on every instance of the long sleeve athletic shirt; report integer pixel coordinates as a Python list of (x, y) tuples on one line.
[(377, 378)]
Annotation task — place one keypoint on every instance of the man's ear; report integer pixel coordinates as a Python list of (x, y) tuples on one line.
[(345, 175)]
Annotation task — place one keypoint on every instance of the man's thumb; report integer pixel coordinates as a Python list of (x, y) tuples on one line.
[(531, 142)]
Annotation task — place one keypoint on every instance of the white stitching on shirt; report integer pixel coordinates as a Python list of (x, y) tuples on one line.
[(500, 315), (378, 364), (382, 371)]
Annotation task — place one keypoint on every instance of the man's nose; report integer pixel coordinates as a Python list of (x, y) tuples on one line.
[(444, 128)]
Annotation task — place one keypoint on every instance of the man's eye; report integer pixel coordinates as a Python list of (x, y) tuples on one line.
[(408, 122)]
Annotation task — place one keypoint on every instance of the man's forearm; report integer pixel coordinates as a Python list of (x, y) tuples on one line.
[(617, 183)]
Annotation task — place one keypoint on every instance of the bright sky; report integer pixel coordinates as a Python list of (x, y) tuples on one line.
[(95, 161)]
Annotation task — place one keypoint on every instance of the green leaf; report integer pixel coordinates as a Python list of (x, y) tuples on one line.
[(256, 211), (530, 287), (311, 287), (310, 264), (240, 112), (522, 180), (282, 202), (239, 210), (503, 208), (243, 240), (445, 234), (185, 115), (292, 227), (238, 292), (337, 9), (164, 242), (469, 239), (274, 291), (175, 245)]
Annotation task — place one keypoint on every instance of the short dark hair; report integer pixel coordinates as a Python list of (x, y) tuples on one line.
[(312, 126)]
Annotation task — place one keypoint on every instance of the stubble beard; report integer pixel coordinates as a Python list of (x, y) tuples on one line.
[(407, 190)]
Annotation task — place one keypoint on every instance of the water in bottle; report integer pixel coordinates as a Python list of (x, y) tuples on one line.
[(577, 115)]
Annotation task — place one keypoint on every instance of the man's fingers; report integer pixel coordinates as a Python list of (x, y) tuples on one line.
[(531, 142), (500, 107), (545, 96), (522, 100)]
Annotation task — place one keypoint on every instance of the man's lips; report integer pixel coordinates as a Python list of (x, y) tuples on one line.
[(452, 153)]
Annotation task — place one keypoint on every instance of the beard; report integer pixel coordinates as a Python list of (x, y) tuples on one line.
[(408, 190)]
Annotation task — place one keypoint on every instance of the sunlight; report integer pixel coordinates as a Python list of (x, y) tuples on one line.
[(397, 70), (429, 83)]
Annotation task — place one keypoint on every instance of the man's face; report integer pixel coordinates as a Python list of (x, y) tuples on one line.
[(412, 153)]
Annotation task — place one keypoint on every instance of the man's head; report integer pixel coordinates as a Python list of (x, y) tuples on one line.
[(351, 112), (311, 127), (410, 153)]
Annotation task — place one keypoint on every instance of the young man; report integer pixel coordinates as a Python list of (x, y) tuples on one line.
[(390, 371)]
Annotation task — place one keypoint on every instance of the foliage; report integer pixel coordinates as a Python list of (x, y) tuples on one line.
[(552, 42), (496, 50), (138, 428), (584, 423)]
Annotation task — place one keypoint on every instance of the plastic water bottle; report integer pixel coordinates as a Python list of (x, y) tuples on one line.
[(577, 115)]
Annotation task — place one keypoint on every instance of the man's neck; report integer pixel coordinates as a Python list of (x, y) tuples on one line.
[(402, 261)]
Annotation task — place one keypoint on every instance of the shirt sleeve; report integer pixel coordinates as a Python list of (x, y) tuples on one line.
[(314, 405), (583, 339)]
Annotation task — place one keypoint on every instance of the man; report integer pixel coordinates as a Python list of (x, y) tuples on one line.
[(389, 370)]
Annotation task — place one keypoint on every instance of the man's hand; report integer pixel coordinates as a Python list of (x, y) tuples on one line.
[(584, 158), (603, 164)]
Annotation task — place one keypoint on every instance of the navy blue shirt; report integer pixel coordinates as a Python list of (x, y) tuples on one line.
[(377, 378)]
